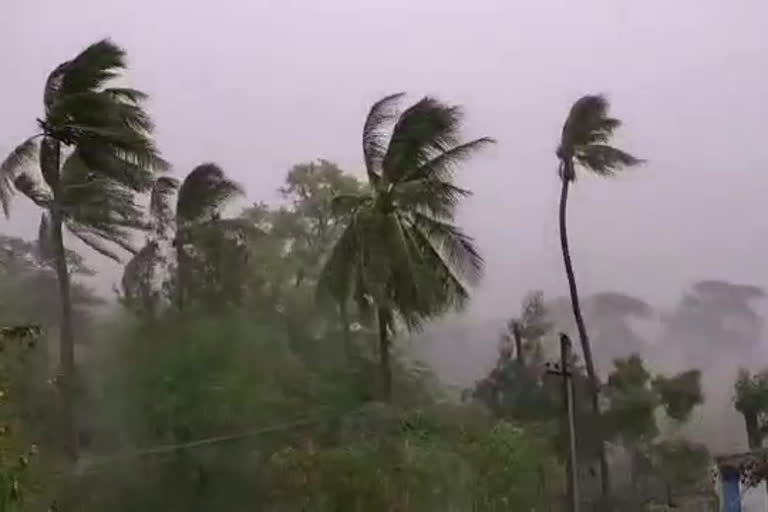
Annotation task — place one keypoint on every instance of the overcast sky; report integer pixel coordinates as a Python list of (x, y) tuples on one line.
[(259, 85)]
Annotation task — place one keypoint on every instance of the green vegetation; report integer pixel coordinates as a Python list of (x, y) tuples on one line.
[(255, 361)]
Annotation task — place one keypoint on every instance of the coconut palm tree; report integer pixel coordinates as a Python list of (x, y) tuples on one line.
[(400, 255), (197, 213), (585, 142), (93, 151)]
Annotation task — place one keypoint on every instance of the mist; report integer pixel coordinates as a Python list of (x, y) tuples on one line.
[(258, 87)]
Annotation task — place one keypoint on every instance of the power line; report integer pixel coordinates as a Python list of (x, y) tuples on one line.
[(92, 465)]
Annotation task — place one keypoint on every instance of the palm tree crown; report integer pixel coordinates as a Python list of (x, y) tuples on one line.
[(400, 249), (585, 136), (104, 135)]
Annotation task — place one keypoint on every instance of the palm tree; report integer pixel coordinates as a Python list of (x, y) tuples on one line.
[(93, 151), (584, 142), (400, 255), (199, 201)]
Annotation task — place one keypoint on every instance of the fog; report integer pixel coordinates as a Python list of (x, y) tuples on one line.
[(258, 86)]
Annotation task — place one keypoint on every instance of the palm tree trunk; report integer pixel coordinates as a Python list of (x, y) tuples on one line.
[(583, 337), (384, 365), (66, 336), (518, 344), (753, 430)]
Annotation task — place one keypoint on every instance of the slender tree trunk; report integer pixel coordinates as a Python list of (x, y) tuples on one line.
[(384, 365), (753, 430), (583, 337), (66, 336), (518, 344)]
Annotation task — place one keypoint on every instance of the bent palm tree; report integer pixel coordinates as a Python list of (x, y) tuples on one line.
[(199, 201), (202, 195), (94, 150), (584, 141), (400, 254)]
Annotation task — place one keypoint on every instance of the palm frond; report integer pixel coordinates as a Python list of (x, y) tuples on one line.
[(92, 68), (93, 241), (130, 170), (457, 247), (112, 131), (53, 86), (33, 189), (446, 289), (444, 164), (15, 164), (340, 274), (422, 132), (380, 115), (159, 199), (437, 198), (102, 110), (96, 201), (587, 123), (127, 94), (605, 160), (204, 192)]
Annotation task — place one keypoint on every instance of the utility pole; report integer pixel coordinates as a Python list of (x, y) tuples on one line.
[(563, 369)]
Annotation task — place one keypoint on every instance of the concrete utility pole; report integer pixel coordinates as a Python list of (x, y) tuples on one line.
[(563, 369)]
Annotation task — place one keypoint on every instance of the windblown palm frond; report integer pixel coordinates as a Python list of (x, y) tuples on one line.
[(442, 166), (341, 273), (604, 160), (585, 135), (424, 131), (97, 206), (204, 192), (16, 163), (588, 122), (375, 133), (88, 71)]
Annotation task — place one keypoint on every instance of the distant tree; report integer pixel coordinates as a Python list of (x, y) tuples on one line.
[(94, 151), (400, 254), (526, 330), (751, 401), (585, 136), (712, 313), (611, 314), (300, 233), (635, 397)]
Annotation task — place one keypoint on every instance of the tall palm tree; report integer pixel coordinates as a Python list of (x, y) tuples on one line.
[(199, 201), (400, 254), (93, 151), (585, 142)]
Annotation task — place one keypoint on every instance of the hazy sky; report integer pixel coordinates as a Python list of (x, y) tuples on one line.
[(260, 85)]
